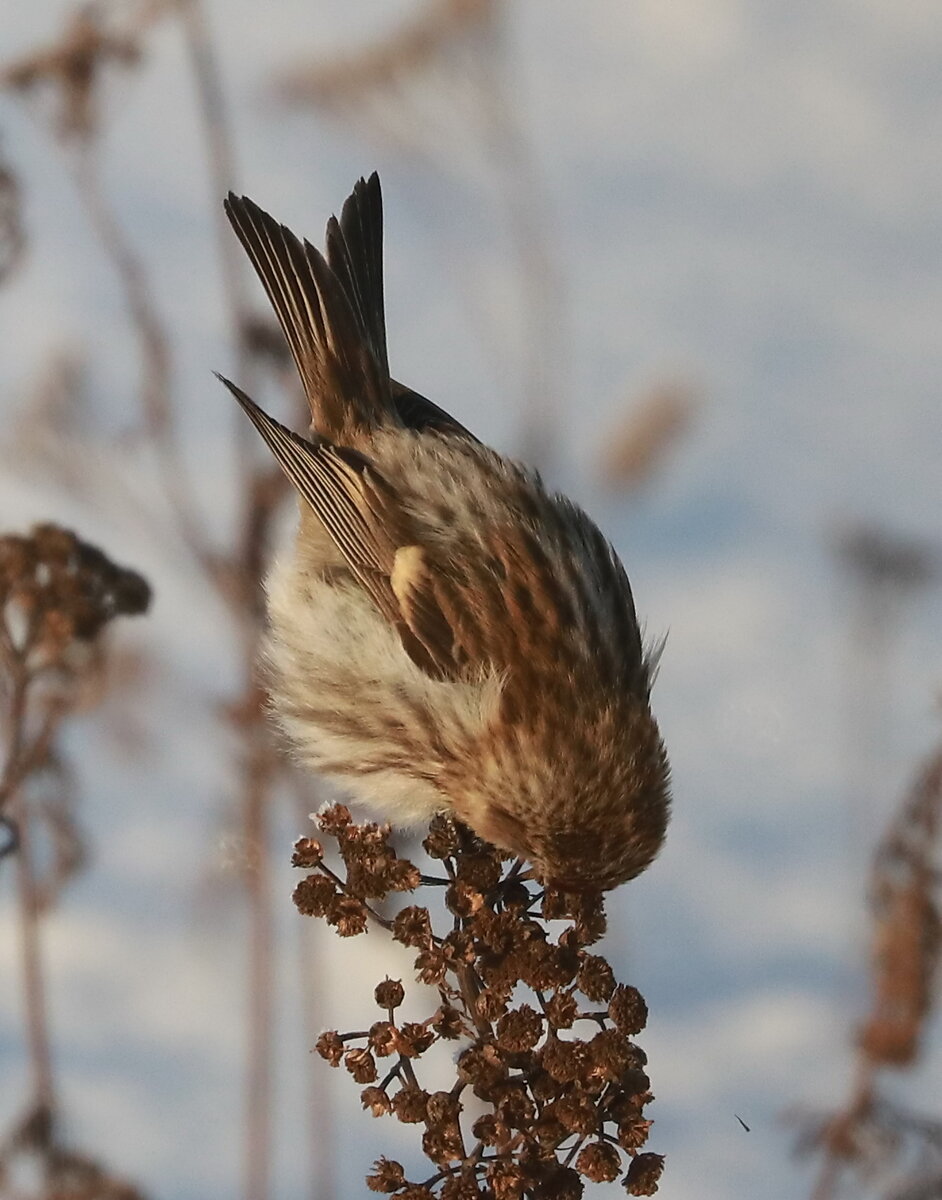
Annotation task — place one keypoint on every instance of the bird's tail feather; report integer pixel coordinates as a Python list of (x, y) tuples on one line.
[(331, 310)]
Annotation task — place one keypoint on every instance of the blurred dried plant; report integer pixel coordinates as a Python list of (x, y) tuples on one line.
[(892, 1152), (885, 571), (436, 40), (69, 84), (64, 77), (58, 594), (638, 445), (444, 87), (534, 1110), (886, 561), (12, 234), (37, 1164)]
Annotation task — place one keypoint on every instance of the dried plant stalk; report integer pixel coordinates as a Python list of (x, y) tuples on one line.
[(535, 1109), (637, 447), (871, 1136), (57, 595), (66, 80)]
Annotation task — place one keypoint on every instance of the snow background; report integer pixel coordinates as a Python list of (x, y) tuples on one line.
[(743, 195)]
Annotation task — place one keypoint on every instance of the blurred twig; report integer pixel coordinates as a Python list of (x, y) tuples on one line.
[(12, 235), (57, 594), (442, 87), (69, 75), (636, 448), (885, 570), (870, 1136)]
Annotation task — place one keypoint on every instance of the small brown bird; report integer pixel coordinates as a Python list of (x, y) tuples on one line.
[(447, 635)]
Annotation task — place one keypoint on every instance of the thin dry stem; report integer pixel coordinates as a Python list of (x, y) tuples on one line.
[(868, 1136)]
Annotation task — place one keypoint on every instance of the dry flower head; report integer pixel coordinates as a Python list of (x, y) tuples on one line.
[(56, 589), (550, 1087)]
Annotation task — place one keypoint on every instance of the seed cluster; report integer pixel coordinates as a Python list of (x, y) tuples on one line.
[(550, 1087), (56, 589)]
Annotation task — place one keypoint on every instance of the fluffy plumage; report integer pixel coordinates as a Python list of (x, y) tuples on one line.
[(447, 634)]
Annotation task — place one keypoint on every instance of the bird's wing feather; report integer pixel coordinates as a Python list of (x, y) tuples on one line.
[(365, 521), (341, 360)]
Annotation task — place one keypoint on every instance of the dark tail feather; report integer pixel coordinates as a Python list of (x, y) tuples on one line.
[(355, 255), (339, 349)]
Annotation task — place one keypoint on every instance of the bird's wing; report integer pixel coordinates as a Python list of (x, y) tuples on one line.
[(364, 519), (336, 336)]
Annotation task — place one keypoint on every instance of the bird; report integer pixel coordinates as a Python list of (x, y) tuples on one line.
[(446, 634)]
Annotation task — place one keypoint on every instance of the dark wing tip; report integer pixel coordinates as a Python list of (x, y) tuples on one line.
[(271, 430), (368, 193), (233, 203), (248, 404), (239, 207)]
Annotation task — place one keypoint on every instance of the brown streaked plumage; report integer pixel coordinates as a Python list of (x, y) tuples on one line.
[(446, 634)]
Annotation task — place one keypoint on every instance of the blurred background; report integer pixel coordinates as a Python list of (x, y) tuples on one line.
[(686, 258)]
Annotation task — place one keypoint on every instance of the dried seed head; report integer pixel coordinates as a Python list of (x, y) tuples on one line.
[(463, 900), (334, 820), (382, 1038), (314, 896), (480, 871), (596, 978), (409, 1104), (558, 1183), (628, 1009), (643, 1174), (577, 1113), (490, 1131), (599, 1162), (561, 1010), (348, 915), (412, 1040), (412, 927), (442, 840), (612, 1053), (330, 1047), (565, 1061), (507, 1180), (388, 1175), (379, 1104), (539, 1089), (519, 1030), (308, 853), (491, 1004), (389, 994), (430, 966), (65, 591), (633, 1134), (448, 1023), (361, 1065), (442, 1144)]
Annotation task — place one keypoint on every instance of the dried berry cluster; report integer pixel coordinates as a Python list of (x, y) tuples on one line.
[(537, 1108), (55, 589)]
